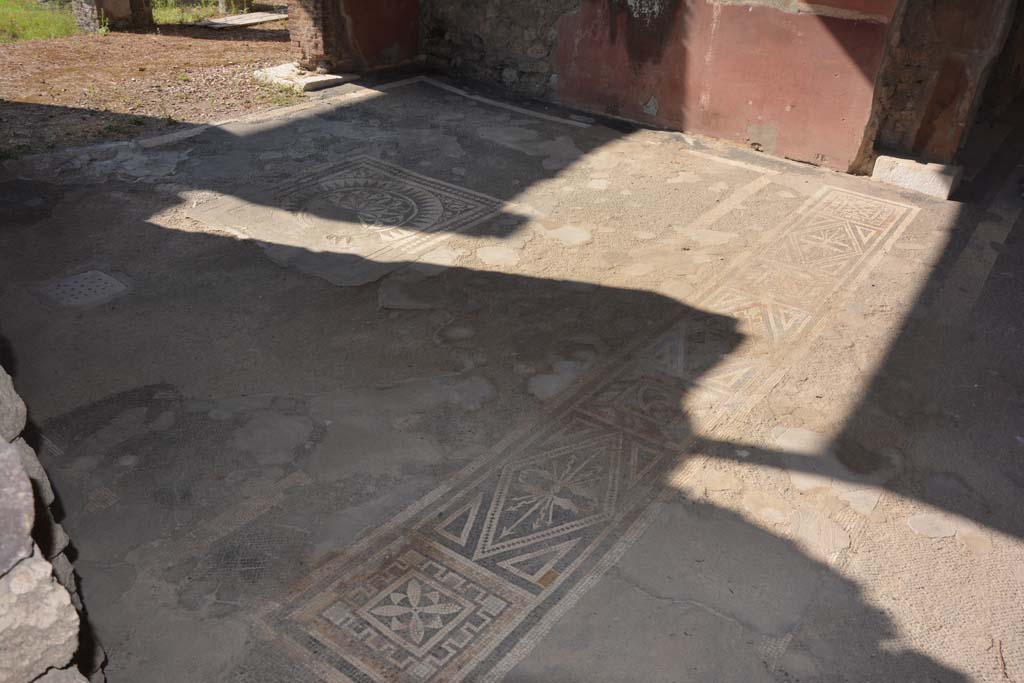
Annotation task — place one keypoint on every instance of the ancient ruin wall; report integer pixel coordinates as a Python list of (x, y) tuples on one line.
[(336, 35), (791, 79), (95, 15), (316, 28), (934, 74), (496, 40), (1007, 80), (41, 613)]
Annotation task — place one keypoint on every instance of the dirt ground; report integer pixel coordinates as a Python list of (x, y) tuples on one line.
[(90, 88)]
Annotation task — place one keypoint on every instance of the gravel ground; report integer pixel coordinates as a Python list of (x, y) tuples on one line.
[(89, 88)]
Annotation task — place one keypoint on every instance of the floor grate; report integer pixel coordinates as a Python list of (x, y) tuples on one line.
[(84, 289)]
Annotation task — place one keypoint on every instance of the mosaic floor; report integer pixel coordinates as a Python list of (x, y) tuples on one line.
[(461, 584), (376, 212), (454, 390)]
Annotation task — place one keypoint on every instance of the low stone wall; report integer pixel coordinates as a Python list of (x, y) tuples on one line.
[(42, 632)]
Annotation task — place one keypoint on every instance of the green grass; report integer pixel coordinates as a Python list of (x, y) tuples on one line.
[(279, 95), (192, 11), (32, 20)]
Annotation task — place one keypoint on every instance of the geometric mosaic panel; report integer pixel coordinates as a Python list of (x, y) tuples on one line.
[(457, 586), (351, 222), (781, 289), (832, 237)]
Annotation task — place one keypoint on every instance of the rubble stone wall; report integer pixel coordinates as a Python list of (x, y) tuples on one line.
[(41, 613), (934, 74), (509, 42)]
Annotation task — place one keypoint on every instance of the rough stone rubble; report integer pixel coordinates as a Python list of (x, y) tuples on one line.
[(40, 609)]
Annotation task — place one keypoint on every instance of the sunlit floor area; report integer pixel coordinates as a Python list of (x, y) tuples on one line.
[(409, 384)]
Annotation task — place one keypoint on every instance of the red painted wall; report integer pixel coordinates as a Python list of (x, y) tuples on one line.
[(384, 31), (793, 85)]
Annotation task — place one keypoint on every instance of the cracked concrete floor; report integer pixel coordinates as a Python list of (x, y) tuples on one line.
[(408, 384)]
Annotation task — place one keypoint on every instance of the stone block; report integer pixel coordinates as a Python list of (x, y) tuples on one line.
[(12, 409), (291, 76), (49, 535), (38, 623), (935, 180), (64, 572), (69, 675), (34, 469), (17, 509)]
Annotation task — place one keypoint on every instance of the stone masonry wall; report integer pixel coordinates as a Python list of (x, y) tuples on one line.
[(353, 35), (788, 78), (496, 40), (825, 82), (41, 613), (316, 28), (934, 74), (87, 15)]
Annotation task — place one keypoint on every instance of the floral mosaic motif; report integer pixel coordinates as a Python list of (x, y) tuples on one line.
[(394, 204), (377, 209), (391, 208), (552, 494), (364, 207), (416, 612), (569, 485)]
